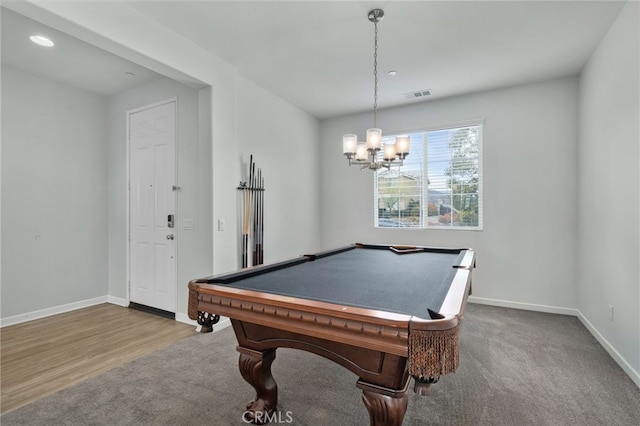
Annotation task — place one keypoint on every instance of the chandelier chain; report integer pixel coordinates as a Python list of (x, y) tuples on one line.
[(365, 154), (375, 74)]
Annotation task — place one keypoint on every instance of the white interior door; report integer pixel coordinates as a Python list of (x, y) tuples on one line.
[(152, 202)]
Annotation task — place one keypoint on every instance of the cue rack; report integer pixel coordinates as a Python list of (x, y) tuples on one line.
[(252, 215)]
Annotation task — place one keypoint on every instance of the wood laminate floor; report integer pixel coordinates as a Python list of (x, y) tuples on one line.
[(44, 356)]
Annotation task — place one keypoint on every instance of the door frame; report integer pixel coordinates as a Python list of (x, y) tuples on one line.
[(128, 192)]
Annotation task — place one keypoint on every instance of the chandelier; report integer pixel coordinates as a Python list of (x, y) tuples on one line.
[(365, 153)]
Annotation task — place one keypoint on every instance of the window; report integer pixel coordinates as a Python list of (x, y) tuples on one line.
[(439, 186)]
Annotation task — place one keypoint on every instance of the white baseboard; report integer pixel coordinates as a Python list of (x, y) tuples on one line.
[(524, 306), (184, 318), (633, 374), (222, 324), (118, 301), (43, 313)]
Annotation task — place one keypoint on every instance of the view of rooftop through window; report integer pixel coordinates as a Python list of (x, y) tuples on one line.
[(438, 186)]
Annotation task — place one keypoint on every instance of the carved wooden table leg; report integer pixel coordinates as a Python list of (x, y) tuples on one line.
[(386, 407), (255, 367)]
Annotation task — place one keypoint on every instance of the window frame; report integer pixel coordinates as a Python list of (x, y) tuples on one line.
[(424, 192)]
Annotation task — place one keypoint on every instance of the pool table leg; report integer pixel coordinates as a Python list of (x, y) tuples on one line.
[(207, 320), (255, 367), (386, 407)]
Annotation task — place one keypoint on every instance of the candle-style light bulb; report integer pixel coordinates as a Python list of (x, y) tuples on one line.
[(374, 139), (361, 151), (389, 152), (402, 146), (349, 143)]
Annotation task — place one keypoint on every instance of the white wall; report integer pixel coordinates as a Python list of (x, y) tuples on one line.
[(194, 247), (122, 30), (526, 252), (54, 194), (211, 166), (609, 188), (284, 143)]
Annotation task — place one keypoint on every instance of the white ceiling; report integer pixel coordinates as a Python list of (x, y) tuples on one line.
[(319, 54), (70, 61)]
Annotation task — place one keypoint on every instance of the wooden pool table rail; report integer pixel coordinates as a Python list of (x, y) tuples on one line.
[(378, 330)]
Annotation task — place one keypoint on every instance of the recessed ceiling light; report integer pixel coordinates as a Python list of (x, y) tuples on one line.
[(42, 40), (393, 72)]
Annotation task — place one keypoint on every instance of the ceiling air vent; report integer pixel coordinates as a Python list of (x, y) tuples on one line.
[(417, 94)]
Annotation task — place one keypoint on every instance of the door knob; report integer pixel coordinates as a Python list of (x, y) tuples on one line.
[(170, 237)]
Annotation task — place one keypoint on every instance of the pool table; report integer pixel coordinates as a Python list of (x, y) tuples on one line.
[(385, 312)]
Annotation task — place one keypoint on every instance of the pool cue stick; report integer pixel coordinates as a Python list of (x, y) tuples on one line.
[(250, 206), (246, 212), (254, 208), (258, 240), (261, 251), (245, 234)]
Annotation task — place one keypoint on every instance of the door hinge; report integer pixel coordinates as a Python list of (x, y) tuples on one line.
[(175, 188)]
